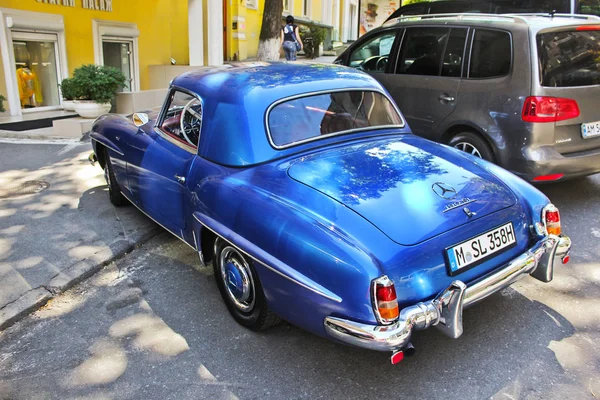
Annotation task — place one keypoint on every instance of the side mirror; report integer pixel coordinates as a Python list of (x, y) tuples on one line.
[(140, 119)]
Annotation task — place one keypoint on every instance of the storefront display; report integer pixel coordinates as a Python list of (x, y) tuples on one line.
[(36, 70), (373, 13)]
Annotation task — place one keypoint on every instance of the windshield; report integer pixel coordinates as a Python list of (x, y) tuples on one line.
[(570, 58), (315, 116)]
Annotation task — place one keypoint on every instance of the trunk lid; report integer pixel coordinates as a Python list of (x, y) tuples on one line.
[(409, 188)]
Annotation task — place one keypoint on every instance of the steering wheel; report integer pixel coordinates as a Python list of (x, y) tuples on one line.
[(381, 63), (191, 121)]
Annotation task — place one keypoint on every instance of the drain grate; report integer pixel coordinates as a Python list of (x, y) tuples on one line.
[(22, 189)]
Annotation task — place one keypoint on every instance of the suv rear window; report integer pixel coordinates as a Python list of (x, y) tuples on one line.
[(314, 116), (569, 58)]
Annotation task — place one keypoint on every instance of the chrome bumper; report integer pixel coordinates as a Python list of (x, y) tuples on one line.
[(445, 311), (93, 159)]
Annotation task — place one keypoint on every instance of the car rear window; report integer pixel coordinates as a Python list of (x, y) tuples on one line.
[(310, 117), (570, 58)]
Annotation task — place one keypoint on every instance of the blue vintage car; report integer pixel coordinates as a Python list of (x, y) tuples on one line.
[(305, 189)]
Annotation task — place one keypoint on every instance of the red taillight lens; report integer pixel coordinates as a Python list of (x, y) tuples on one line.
[(552, 218), (549, 109), (386, 303)]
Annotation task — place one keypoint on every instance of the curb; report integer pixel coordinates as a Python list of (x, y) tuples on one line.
[(69, 277)]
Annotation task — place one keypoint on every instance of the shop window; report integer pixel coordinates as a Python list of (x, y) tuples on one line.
[(287, 6)]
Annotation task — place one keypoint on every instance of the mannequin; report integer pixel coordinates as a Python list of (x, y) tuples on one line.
[(27, 82)]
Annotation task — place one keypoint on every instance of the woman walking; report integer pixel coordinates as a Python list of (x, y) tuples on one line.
[(290, 39)]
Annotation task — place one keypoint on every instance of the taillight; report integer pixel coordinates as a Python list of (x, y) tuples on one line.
[(552, 220), (385, 302), (549, 109)]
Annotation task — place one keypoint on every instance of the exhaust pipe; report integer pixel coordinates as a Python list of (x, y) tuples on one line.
[(409, 350)]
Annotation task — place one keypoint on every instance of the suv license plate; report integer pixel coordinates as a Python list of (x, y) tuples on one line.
[(473, 251), (590, 129)]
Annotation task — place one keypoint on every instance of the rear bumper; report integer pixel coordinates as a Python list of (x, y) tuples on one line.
[(549, 162), (445, 311)]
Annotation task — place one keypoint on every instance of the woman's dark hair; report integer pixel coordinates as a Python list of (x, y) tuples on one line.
[(289, 19)]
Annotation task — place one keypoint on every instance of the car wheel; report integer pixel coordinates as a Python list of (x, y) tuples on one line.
[(240, 288), (114, 191), (473, 144)]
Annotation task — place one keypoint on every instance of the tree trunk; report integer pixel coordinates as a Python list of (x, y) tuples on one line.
[(270, 32)]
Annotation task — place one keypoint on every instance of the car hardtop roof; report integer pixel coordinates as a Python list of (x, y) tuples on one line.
[(268, 81), (536, 21)]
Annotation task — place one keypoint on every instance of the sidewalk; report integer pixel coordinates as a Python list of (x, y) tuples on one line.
[(57, 225)]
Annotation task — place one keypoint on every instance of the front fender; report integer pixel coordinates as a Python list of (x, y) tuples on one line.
[(105, 131)]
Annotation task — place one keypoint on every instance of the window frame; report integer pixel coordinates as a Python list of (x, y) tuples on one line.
[(392, 56), (331, 135), (163, 113), (288, 11), (406, 29), (467, 75)]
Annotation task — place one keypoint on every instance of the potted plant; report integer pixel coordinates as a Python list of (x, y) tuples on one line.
[(2, 99), (95, 86), (69, 94)]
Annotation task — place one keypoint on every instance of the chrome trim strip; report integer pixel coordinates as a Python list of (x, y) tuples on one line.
[(105, 145), (320, 92), (445, 311), (155, 221), (331, 296), (198, 249)]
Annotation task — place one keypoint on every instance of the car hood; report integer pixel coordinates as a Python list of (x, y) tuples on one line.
[(409, 188)]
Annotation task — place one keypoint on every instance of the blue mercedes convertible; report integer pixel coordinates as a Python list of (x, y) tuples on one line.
[(304, 188)]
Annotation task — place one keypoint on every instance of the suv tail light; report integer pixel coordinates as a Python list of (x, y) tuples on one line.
[(385, 302), (549, 109), (552, 220)]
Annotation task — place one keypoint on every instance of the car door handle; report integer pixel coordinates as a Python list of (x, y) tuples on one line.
[(180, 179), (445, 97)]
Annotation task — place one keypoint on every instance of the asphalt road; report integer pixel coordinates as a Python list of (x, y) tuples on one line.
[(153, 326)]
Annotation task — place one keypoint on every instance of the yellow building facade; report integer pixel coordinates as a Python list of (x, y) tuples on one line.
[(43, 41)]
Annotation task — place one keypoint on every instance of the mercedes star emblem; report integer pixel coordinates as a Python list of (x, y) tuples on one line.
[(444, 190)]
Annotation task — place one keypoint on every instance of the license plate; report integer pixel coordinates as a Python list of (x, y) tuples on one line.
[(590, 129), (479, 248)]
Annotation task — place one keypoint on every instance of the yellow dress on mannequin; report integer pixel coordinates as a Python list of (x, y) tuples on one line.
[(28, 87)]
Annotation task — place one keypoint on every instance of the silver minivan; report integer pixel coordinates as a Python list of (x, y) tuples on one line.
[(522, 91)]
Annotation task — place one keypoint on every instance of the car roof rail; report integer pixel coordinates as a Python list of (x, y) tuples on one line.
[(562, 15), (460, 16)]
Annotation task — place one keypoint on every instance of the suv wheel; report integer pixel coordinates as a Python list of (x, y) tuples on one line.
[(473, 144)]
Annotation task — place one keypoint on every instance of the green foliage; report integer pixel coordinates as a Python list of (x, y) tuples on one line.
[(312, 36), (96, 82), (2, 100), (68, 89), (407, 2)]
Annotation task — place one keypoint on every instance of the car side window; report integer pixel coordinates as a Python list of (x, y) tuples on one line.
[(491, 54), (373, 54), (454, 53), (421, 52), (183, 118)]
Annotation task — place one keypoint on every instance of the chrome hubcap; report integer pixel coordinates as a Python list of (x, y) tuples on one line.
[(237, 278), (468, 148)]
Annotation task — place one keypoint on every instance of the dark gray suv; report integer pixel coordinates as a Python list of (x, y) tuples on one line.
[(522, 91)]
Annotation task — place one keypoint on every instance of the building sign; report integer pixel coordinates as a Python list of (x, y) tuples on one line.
[(373, 13), (99, 5)]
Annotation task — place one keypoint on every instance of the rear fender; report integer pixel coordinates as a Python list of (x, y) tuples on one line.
[(303, 264)]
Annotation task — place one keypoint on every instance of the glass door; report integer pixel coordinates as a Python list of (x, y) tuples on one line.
[(37, 70), (119, 54)]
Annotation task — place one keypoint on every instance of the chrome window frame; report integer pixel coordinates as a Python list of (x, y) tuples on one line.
[(163, 112), (330, 135)]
